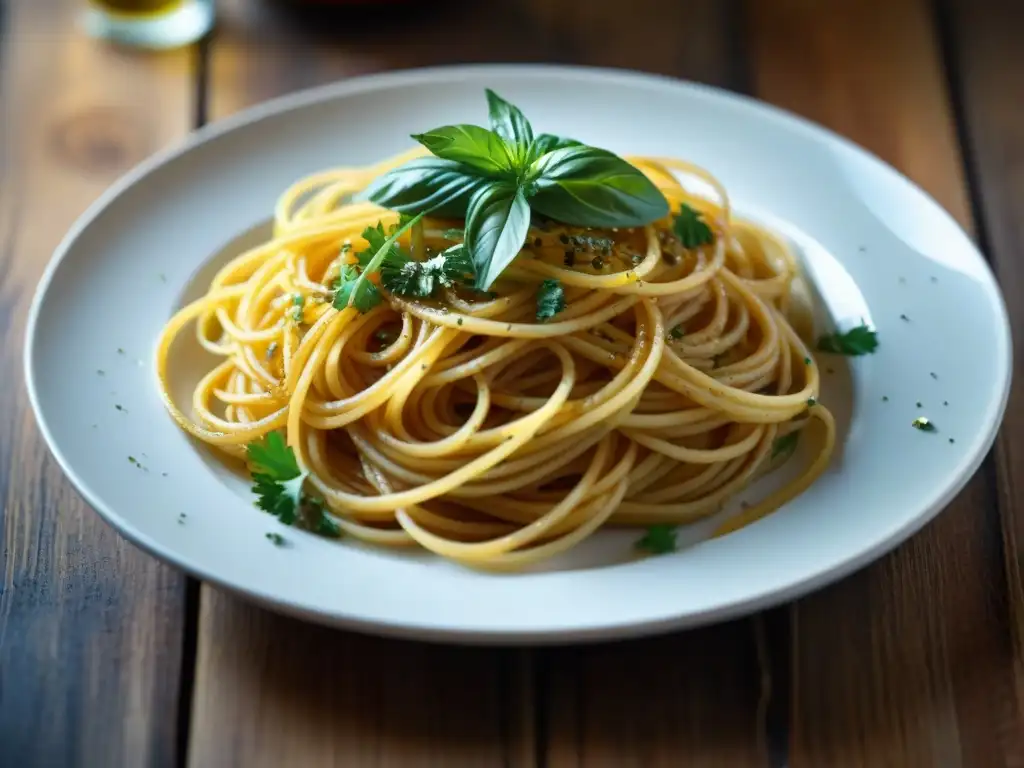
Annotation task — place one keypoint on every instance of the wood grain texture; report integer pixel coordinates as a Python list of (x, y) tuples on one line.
[(690, 699), (271, 691), (908, 662), (90, 628), (988, 66)]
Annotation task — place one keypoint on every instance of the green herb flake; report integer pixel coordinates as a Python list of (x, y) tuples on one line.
[(659, 539), (120, 351), (276, 539), (298, 299), (811, 402), (421, 279), (885, 398), (278, 484), (904, 318), (785, 446), (856, 341), (100, 372), (924, 424), (676, 332), (120, 408), (691, 229), (807, 361), (918, 404), (550, 299)]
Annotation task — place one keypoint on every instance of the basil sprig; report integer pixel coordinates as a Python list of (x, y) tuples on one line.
[(494, 178)]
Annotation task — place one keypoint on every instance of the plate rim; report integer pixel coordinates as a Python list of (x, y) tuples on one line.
[(616, 629)]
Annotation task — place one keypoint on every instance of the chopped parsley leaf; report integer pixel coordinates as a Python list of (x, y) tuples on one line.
[(676, 332), (659, 539), (691, 229), (362, 294), (276, 539), (421, 279), (550, 299), (277, 483), (924, 424), (856, 341)]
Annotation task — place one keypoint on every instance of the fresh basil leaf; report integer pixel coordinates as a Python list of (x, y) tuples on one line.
[(443, 187), (509, 123), (591, 187), (470, 144), (496, 226), (548, 142)]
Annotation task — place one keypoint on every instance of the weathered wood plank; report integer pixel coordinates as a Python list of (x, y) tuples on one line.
[(906, 663), (988, 67), (90, 628)]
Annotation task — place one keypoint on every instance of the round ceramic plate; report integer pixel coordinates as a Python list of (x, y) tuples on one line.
[(874, 246)]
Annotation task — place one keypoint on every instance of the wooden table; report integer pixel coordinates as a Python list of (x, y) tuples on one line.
[(109, 658)]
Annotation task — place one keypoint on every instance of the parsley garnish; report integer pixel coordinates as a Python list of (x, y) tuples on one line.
[(658, 540), (856, 341), (354, 288), (399, 274), (550, 299), (276, 539), (785, 445), (351, 291), (277, 483), (449, 268), (676, 332), (691, 228), (923, 423)]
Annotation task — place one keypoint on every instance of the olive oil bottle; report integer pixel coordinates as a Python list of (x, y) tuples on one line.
[(150, 23)]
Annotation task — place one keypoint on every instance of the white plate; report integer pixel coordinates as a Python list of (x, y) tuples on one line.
[(876, 246)]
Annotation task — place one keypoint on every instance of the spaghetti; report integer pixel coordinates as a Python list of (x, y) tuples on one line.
[(468, 427)]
